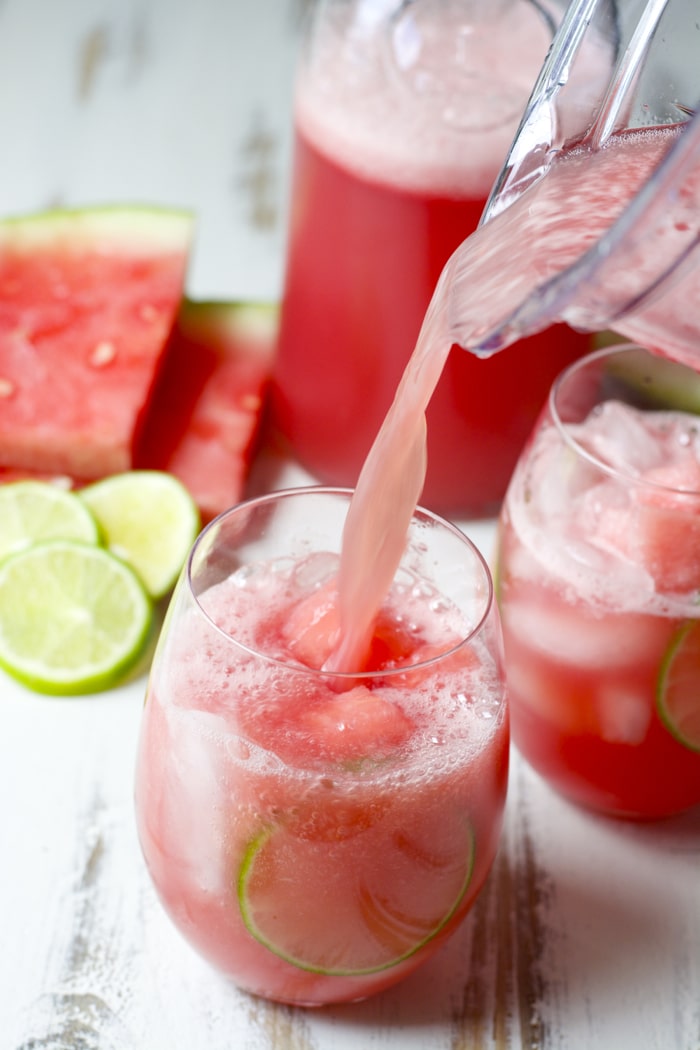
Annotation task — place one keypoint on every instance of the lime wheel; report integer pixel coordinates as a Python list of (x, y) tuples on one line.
[(359, 905), (678, 692)]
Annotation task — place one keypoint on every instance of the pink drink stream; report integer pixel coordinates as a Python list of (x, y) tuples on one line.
[(496, 270)]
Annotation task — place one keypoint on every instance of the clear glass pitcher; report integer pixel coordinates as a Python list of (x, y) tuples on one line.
[(602, 203), (404, 110)]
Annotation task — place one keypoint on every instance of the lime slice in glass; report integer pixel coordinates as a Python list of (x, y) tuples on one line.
[(678, 690), (73, 618), (148, 518), (348, 907), (37, 510)]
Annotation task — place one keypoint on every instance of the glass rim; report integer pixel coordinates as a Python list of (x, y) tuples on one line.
[(563, 427), (347, 676)]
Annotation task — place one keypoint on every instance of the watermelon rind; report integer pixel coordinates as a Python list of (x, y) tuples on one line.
[(135, 227), (256, 320)]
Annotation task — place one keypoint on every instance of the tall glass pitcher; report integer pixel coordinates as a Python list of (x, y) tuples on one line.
[(403, 114)]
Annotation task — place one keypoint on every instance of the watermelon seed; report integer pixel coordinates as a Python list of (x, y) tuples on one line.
[(103, 354), (148, 312)]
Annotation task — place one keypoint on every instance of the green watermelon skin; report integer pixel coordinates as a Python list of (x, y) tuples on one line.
[(207, 408), (88, 301)]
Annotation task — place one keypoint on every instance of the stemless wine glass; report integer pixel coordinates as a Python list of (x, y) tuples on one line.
[(599, 576), (316, 836)]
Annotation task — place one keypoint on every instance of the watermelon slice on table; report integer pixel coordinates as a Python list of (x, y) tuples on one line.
[(206, 411), (88, 299)]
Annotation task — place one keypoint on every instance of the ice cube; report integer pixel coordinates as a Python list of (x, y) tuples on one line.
[(619, 436), (571, 634), (196, 794), (530, 683), (624, 714)]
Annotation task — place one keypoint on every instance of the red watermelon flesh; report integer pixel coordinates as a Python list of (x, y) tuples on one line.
[(88, 299), (207, 406)]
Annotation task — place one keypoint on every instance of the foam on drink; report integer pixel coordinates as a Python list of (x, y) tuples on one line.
[(426, 102)]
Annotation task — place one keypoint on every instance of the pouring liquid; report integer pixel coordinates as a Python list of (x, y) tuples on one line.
[(496, 271)]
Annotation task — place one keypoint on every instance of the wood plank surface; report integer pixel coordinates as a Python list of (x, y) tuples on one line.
[(587, 933)]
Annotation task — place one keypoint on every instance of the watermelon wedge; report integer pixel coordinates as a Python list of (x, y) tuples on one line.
[(206, 410), (88, 299)]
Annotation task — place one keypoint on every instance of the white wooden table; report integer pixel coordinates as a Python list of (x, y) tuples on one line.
[(587, 934)]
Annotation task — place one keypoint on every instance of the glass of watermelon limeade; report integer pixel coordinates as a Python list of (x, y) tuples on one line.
[(599, 586), (314, 835)]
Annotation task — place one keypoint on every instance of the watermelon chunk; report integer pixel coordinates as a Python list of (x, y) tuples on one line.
[(88, 299), (666, 531), (311, 629), (311, 626), (207, 406), (356, 725)]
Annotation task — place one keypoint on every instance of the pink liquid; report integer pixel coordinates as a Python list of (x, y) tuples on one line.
[(383, 803), (597, 581)]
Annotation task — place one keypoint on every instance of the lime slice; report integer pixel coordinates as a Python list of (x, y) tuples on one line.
[(149, 519), (73, 618), (350, 907), (678, 690), (36, 510)]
